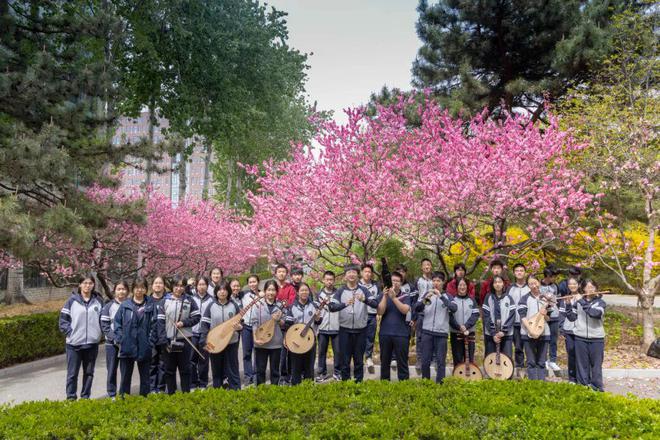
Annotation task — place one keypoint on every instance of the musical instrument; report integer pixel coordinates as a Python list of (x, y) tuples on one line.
[(536, 323), (427, 298), (497, 365), (299, 339), (266, 331), (387, 275), (604, 292), (467, 370), (220, 335), (184, 336)]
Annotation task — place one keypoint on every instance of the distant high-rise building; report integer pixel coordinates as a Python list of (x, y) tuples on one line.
[(134, 178)]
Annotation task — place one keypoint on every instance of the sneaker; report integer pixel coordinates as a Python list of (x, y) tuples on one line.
[(554, 367), (393, 365), (336, 377), (321, 378), (418, 368), (370, 366)]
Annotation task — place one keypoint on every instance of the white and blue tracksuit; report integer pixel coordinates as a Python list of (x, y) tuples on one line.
[(328, 334), (434, 330), (551, 290), (157, 368), (199, 367), (567, 328), (80, 321), (135, 333), (422, 286), (394, 339), (170, 311), (111, 349), (269, 353), (466, 314), (302, 365), (535, 349), (352, 328), (224, 365), (517, 291), (372, 319), (503, 309), (589, 340)]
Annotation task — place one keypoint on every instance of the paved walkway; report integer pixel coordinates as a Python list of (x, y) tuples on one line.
[(45, 380), (627, 300)]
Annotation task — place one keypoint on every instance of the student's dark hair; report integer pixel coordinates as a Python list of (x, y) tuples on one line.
[(222, 286), (532, 277), (460, 266), (140, 282), (588, 281), (398, 275), (271, 283), (438, 274), (329, 273), (496, 262), (401, 268), (297, 271), (253, 275), (548, 272), (574, 279), (121, 283), (462, 280), (222, 273), (424, 260), (231, 280), (202, 278), (367, 266), (179, 280), (575, 271), (166, 282), (517, 265), (84, 277), (281, 266), (492, 284), (302, 283)]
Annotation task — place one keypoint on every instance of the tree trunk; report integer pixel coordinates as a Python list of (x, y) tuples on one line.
[(182, 178), (207, 172), (229, 174)]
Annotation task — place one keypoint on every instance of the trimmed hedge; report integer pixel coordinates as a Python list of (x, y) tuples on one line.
[(29, 337), (375, 409)]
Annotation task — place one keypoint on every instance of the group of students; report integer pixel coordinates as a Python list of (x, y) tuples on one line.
[(165, 332)]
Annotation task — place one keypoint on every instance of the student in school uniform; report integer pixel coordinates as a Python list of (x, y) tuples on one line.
[(516, 291), (535, 349), (496, 268), (247, 340), (157, 370), (224, 365), (268, 354), (366, 281), (217, 277), (568, 326), (177, 314), (462, 322), (588, 313), (423, 285), (135, 334), (436, 305), (351, 301), (80, 322), (459, 273), (328, 331), (199, 366), (120, 293), (549, 289), (394, 335), (302, 311), (498, 306)]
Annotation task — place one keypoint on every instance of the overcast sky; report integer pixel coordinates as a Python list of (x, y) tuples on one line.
[(358, 46)]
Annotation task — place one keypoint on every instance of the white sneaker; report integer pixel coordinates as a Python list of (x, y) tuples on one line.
[(393, 365), (370, 366), (553, 366)]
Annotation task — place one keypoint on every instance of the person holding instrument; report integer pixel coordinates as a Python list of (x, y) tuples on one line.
[(394, 331), (328, 331), (270, 352), (366, 281), (462, 322), (498, 305), (535, 348), (177, 314), (587, 313), (302, 311), (568, 326), (199, 365), (436, 305), (157, 369)]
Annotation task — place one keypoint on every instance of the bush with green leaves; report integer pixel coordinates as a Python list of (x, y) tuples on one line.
[(374, 409), (29, 337)]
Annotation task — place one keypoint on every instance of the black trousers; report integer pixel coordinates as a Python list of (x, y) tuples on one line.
[(264, 357), (157, 369), (302, 366), (434, 347), (536, 351), (554, 336), (324, 340), (126, 366), (75, 357), (199, 365), (519, 360), (397, 347), (111, 365), (570, 353), (247, 342), (372, 322), (589, 356), (351, 347), (506, 345), (458, 348), (225, 365), (178, 361)]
